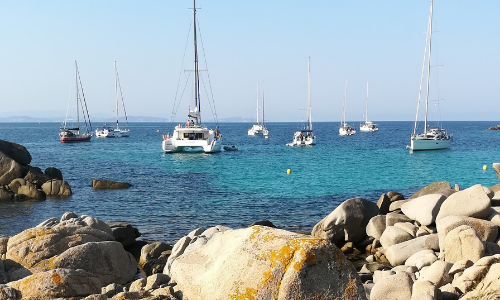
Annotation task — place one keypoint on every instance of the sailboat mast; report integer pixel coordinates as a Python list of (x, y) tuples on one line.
[(309, 119), (263, 119), (77, 98), (366, 108), (257, 103), (428, 68), (196, 73), (342, 119), (116, 95)]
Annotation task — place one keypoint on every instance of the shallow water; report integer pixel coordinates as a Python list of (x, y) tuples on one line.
[(175, 193)]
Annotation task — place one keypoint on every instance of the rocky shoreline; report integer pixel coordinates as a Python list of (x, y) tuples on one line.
[(440, 243)]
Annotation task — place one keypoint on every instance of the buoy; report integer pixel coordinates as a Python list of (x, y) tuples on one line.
[(288, 171), (158, 130), (485, 167), (267, 136)]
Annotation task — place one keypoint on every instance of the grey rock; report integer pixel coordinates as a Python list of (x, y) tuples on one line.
[(496, 167), (393, 218), (438, 187), (437, 273), (460, 266), (57, 187), (9, 169), (462, 243), (393, 235), (408, 227), (376, 226), (68, 216), (424, 209), (399, 253), (424, 289), (99, 184), (124, 233), (54, 173), (397, 286), (16, 152), (177, 251), (471, 202), (421, 259), (487, 231)]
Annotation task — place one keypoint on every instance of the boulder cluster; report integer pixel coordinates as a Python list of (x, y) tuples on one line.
[(19, 181), (440, 243)]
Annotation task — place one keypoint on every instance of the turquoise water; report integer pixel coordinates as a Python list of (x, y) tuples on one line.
[(175, 193)]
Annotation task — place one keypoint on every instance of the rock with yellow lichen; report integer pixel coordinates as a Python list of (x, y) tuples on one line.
[(265, 263)]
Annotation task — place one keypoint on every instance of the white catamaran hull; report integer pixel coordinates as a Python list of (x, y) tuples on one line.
[(258, 130), (429, 144), (368, 128), (117, 133), (192, 138), (347, 131), (301, 138)]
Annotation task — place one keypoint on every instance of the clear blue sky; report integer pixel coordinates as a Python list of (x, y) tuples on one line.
[(381, 42)]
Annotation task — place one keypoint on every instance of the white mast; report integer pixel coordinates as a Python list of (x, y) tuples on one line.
[(263, 120), (196, 73), (366, 109), (309, 117), (116, 96), (428, 68), (342, 119), (77, 98), (427, 41), (257, 103)]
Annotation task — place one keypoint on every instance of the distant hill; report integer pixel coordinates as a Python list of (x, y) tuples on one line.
[(24, 119)]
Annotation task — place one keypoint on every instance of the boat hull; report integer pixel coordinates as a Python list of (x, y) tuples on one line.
[(302, 138), (347, 131), (75, 139), (429, 144), (370, 128), (189, 139), (112, 133), (258, 130)]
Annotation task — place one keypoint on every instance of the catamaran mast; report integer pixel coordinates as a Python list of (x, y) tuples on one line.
[(196, 73), (263, 119), (366, 108), (342, 119), (77, 98), (257, 103), (309, 119), (116, 96), (428, 68)]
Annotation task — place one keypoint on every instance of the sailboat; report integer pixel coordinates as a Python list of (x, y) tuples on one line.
[(433, 138), (259, 129), (345, 129), (110, 132), (305, 137), (73, 134), (367, 126), (194, 135)]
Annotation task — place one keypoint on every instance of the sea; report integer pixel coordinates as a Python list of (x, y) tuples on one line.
[(173, 194)]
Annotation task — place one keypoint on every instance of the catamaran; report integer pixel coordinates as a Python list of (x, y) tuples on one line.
[(108, 131), (367, 126), (305, 137), (193, 135), (259, 128), (433, 138), (73, 134), (345, 129)]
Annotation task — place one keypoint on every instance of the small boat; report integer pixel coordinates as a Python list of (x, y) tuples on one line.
[(433, 138), (230, 148), (305, 137), (73, 134), (194, 135), (367, 126), (110, 132), (259, 129), (345, 129)]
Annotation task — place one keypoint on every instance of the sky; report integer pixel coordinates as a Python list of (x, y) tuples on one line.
[(245, 42)]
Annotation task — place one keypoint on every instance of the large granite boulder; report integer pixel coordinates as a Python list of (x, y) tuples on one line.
[(397, 254), (496, 167), (277, 264), (124, 233), (421, 259), (31, 192), (397, 286), (488, 287), (37, 178), (100, 184), (487, 231), (57, 283), (6, 195), (16, 152), (57, 187), (471, 202), (462, 243), (347, 222), (376, 226), (437, 273), (423, 209), (438, 187), (54, 173), (9, 169), (394, 235)]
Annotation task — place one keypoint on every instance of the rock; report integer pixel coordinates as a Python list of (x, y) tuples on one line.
[(38, 179), (407, 227), (31, 192), (423, 209), (494, 217), (397, 286), (421, 259), (375, 266), (16, 152), (99, 184), (156, 280), (399, 253), (471, 202), (8, 293), (347, 223), (138, 285), (396, 205), (460, 266), (393, 218), (6, 195), (283, 266), (15, 184), (437, 273), (449, 292), (209, 232), (96, 223), (393, 235), (438, 187), (488, 287), (424, 289), (68, 216), (164, 291), (487, 231), (54, 173), (376, 226), (495, 188), (153, 251), (383, 203), (57, 187), (177, 251), (462, 243), (112, 289), (124, 233), (496, 167), (263, 223), (57, 283), (488, 192), (9, 169)]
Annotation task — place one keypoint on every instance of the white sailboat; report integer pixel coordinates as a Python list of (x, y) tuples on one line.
[(305, 137), (433, 138), (194, 134), (73, 134), (259, 129), (345, 129), (108, 131), (367, 126)]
